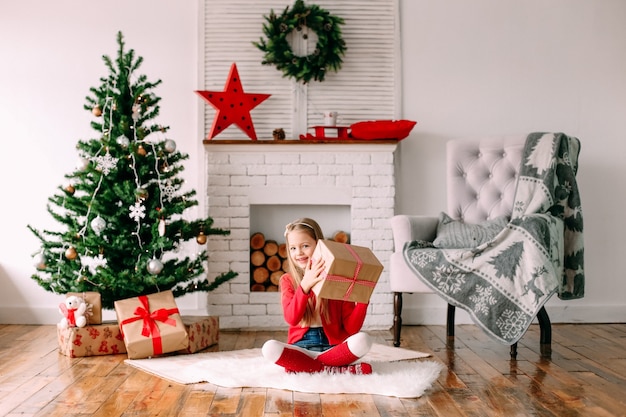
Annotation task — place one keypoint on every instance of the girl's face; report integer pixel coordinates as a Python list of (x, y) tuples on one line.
[(301, 247)]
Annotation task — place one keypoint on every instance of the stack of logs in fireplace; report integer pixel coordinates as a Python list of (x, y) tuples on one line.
[(268, 261)]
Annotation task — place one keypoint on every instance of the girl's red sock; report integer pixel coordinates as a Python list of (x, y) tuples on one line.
[(339, 355), (295, 361)]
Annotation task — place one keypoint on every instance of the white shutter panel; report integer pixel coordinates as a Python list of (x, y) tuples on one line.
[(365, 88)]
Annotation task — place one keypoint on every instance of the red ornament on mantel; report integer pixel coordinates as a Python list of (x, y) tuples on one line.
[(233, 105)]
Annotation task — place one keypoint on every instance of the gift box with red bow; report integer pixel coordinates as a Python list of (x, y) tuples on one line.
[(350, 272), (151, 325)]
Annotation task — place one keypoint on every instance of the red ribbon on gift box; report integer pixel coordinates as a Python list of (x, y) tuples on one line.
[(150, 327), (354, 279)]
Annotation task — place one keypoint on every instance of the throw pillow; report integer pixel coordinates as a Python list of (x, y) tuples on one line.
[(455, 234)]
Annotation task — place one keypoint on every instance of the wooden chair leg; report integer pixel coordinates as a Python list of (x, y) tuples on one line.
[(514, 351), (545, 336), (397, 317), (450, 321)]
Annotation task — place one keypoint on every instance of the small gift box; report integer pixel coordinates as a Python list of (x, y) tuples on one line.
[(94, 305), (203, 332), (151, 325), (350, 272), (102, 339)]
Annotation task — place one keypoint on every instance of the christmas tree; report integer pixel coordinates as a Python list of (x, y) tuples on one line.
[(121, 209)]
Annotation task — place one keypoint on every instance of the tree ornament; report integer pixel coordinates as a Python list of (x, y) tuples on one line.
[(233, 105), (82, 164), (98, 225), (137, 211), (70, 253), (123, 141), (96, 111), (98, 262), (168, 191), (329, 49), (141, 150), (40, 261), (161, 227), (69, 189), (169, 146), (201, 238), (105, 163), (155, 266)]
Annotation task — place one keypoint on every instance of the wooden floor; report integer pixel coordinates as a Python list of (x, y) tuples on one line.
[(585, 376)]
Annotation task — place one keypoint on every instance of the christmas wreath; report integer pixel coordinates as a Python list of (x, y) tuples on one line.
[(329, 48)]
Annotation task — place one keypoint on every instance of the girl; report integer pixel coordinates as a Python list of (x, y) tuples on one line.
[(323, 334)]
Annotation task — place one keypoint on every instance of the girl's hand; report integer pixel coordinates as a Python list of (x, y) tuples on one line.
[(312, 275)]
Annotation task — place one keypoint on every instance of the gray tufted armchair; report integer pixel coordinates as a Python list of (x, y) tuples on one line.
[(481, 178)]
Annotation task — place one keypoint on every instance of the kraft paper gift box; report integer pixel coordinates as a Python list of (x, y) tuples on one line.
[(203, 332), (151, 325), (94, 305), (350, 272), (96, 340)]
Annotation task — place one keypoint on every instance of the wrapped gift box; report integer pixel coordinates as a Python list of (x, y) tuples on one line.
[(203, 332), (102, 339), (151, 325), (350, 272), (94, 305)]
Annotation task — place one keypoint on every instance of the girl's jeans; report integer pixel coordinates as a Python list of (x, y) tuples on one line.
[(314, 339)]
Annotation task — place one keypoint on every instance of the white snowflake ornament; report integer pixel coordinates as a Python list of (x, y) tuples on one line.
[(168, 191), (105, 163), (137, 211)]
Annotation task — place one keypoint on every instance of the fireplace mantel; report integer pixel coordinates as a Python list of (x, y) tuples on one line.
[(291, 145)]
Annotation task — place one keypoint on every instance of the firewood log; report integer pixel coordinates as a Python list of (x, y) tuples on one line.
[(273, 263), (260, 275), (341, 237), (282, 251), (257, 258), (270, 248), (257, 241), (275, 277)]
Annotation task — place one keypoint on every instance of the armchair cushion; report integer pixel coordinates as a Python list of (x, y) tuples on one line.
[(456, 234)]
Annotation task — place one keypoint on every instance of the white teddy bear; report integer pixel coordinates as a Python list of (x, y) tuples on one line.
[(73, 310)]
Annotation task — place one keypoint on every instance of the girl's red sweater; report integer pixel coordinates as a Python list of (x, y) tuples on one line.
[(345, 317)]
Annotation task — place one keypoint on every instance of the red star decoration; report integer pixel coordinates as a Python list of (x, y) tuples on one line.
[(233, 105)]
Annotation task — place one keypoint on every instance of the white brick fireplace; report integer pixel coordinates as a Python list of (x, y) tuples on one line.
[(243, 174)]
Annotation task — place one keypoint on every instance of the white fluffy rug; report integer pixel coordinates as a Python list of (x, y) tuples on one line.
[(396, 372)]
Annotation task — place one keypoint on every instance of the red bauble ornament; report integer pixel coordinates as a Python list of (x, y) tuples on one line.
[(233, 105)]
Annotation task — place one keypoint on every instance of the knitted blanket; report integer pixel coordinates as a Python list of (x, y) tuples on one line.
[(503, 282)]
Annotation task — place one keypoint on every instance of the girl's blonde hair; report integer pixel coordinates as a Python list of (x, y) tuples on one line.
[(310, 227)]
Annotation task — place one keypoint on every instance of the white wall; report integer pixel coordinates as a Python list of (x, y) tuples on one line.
[(51, 55), (485, 67), (469, 68)]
